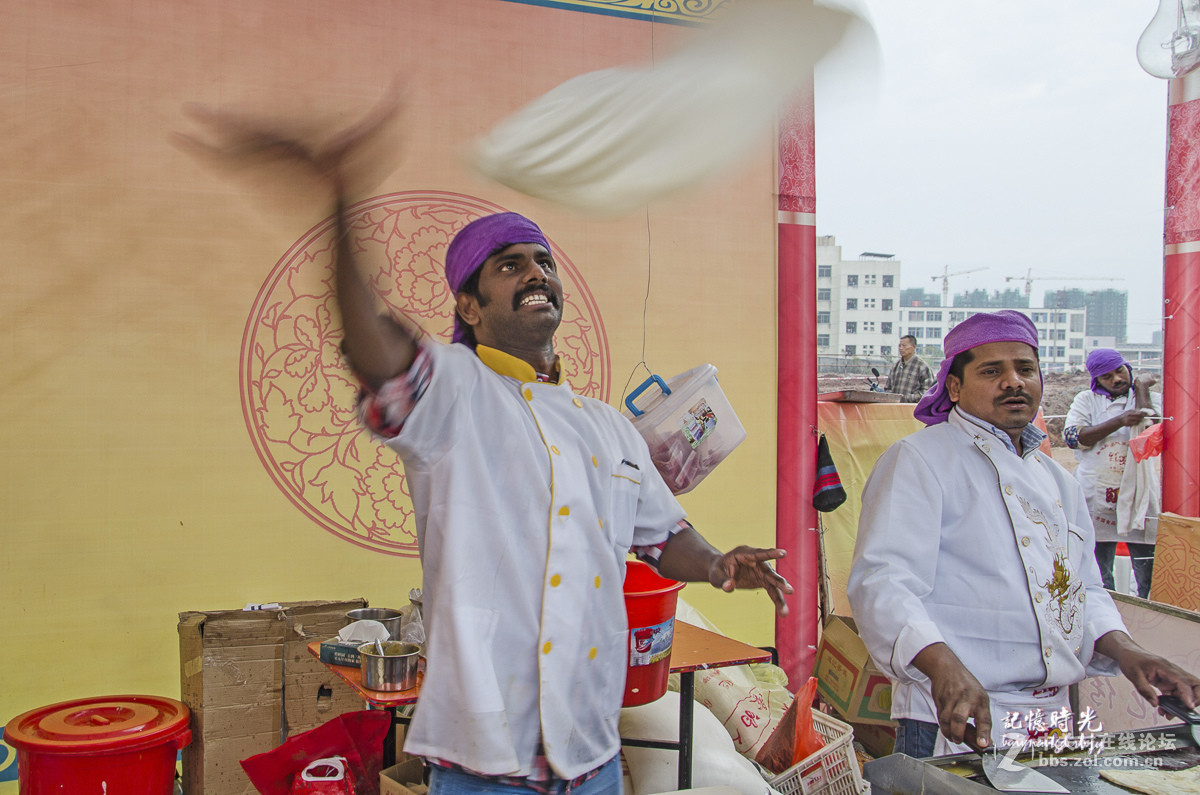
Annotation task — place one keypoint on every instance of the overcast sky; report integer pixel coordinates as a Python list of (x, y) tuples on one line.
[(1015, 136)]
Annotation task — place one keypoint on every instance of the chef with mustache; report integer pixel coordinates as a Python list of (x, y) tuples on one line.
[(1099, 425), (528, 497), (973, 582)]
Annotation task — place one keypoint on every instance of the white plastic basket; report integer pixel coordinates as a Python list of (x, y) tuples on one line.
[(688, 425), (833, 770)]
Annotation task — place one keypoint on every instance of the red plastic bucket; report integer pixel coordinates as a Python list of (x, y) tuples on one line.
[(650, 606), (124, 745)]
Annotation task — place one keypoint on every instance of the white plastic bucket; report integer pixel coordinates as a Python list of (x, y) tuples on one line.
[(687, 423)]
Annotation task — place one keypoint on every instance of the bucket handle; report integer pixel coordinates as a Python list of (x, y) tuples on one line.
[(182, 740), (666, 390)]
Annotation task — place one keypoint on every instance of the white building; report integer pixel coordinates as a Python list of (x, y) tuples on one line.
[(857, 302), (1060, 331), (1144, 356), (859, 314)]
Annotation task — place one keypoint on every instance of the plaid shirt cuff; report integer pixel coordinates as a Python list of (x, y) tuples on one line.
[(384, 412), (652, 553)]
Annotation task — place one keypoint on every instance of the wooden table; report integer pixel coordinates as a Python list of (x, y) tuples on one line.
[(693, 649), (392, 700)]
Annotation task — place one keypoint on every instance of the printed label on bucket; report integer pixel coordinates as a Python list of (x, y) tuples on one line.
[(698, 423), (648, 645)]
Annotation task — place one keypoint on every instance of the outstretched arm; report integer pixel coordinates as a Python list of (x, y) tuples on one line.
[(378, 347), (687, 557), (1093, 434), (1148, 671), (346, 164)]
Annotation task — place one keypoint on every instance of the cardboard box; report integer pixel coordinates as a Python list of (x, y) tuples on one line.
[(400, 779), (847, 678), (876, 739), (235, 668), (312, 694), (1177, 562)]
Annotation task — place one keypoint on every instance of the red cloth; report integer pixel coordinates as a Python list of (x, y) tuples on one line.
[(1147, 443)]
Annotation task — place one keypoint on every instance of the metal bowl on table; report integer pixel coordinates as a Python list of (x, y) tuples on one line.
[(395, 669), (384, 615)]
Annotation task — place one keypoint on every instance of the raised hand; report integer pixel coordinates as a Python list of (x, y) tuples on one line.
[(289, 156), (749, 567)]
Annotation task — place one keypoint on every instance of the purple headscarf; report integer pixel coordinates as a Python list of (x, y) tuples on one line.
[(477, 241), (1003, 326), (1105, 360)]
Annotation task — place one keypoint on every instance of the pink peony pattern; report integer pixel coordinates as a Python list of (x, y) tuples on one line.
[(1183, 174), (298, 394), (797, 157)]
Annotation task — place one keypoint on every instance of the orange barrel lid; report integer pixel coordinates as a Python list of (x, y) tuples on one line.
[(102, 723)]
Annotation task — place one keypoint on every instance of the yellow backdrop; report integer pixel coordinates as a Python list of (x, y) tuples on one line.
[(858, 433), (133, 486)]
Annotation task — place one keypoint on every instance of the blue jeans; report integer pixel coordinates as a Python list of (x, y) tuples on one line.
[(1141, 560), (453, 782), (915, 738)]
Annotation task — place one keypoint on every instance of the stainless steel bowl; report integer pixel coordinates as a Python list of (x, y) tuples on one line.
[(395, 669), (384, 615)]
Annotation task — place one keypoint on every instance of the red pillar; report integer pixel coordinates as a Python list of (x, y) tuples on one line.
[(796, 453), (1181, 300)]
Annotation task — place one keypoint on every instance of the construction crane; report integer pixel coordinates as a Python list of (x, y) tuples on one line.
[(1029, 279), (945, 277)]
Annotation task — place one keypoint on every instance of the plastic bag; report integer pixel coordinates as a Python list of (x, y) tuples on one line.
[(796, 737), (1147, 443), (324, 777), (412, 626), (357, 737), (749, 700)]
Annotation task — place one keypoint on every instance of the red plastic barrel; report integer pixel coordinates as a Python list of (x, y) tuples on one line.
[(650, 606), (124, 745)]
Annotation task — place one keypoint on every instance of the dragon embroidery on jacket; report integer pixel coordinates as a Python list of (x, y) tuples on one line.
[(1064, 608)]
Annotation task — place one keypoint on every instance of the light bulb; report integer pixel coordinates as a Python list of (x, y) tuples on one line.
[(1169, 47)]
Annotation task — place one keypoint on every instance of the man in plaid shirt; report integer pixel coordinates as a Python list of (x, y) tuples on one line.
[(910, 377)]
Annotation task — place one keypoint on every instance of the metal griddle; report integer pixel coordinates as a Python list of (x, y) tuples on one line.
[(962, 774)]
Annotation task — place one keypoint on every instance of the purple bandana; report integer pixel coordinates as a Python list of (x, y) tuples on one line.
[(1003, 326), (477, 241), (1105, 360)]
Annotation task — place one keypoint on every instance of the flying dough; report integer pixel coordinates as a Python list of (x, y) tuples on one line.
[(608, 142)]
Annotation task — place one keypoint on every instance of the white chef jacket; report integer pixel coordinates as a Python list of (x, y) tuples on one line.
[(964, 542), (1101, 466), (527, 498)]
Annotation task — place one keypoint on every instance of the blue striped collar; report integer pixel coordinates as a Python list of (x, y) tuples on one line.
[(1031, 435)]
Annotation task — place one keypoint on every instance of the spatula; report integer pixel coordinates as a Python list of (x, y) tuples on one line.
[(1005, 773), (1176, 707)]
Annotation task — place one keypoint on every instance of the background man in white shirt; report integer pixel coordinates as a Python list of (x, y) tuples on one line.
[(1099, 425)]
